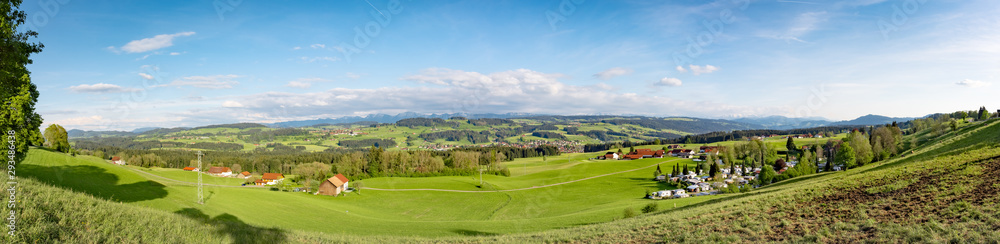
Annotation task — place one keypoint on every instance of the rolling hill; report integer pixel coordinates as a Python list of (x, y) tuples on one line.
[(945, 190)]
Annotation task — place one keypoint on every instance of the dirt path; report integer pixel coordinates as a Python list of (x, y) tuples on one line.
[(519, 189)]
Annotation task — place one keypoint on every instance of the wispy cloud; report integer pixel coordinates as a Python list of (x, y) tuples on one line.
[(315, 59), (668, 81), (612, 73), (299, 84), (519, 90), (101, 88), (152, 43), (305, 82), (207, 82), (698, 70), (973, 83), (801, 25)]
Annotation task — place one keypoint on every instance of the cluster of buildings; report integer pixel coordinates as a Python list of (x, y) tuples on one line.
[(265, 180), (672, 150)]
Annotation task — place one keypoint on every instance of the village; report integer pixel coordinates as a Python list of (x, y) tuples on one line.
[(701, 181), (333, 186)]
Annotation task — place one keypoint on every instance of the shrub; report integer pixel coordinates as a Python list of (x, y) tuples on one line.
[(629, 212), (649, 208)]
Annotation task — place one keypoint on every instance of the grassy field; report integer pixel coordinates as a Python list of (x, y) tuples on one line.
[(944, 191), (488, 210)]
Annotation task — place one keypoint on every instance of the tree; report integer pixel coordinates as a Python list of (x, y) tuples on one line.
[(846, 156), (767, 174), (56, 138), (631, 150), (312, 171), (983, 114), (713, 170), (657, 172), (657, 141), (17, 94), (862, 149), (779, 164), (791, 145), (374, 160), (236, 168), (688, 140), (954, 125), (619, 151), (685, 171)]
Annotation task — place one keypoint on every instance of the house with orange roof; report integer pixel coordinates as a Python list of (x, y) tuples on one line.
[(271, 178), (333, 186), (220, 171)]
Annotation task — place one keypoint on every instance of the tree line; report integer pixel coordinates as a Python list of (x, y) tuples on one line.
[(363, 143)]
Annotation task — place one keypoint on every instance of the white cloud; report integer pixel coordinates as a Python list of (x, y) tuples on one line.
[(457, 91), (317, 46), (174, 53), (707, 69), (231, 104), (101, 88), (667, 81), (314, 59), (296, 48), (973, 83), (612, 73), (299, 84), (352, 75), (208, 82), (680, 69), (88, 120), (801, 25), (153, 43), (146, 76)]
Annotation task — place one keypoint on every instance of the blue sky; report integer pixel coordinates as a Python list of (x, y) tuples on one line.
[(120, 66)]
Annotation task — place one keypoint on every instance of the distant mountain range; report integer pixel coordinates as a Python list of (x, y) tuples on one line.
[(706, 125), (385, 118), (785, 123)]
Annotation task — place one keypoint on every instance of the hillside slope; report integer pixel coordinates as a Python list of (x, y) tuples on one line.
[(946, 190)]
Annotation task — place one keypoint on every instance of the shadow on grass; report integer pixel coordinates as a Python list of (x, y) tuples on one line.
[(465, 232), (240, 232), (93, 180)]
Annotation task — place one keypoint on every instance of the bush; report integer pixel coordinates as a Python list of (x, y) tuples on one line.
[(629, 212), (649, 208)]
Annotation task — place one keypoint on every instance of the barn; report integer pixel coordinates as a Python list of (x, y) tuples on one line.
[(333, 186)]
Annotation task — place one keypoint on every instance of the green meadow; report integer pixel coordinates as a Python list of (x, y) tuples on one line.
[(945, 190), (527, 201)]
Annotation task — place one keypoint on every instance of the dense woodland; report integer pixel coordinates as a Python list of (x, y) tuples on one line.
[(363, 143)]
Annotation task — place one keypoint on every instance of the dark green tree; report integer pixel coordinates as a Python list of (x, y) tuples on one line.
[(713, 170), (657, 172), (791, 145), (17, 93)]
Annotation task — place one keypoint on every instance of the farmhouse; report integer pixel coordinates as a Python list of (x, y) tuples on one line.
[(220, 171), (644, 153), (271, 178), (609, 156), (245, 175), (117, 160), (191, 169), (333, 186)]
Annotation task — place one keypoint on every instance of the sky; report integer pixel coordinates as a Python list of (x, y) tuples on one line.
[(126, 65)]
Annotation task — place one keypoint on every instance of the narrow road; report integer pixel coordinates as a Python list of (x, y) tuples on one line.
[(519, 189)]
